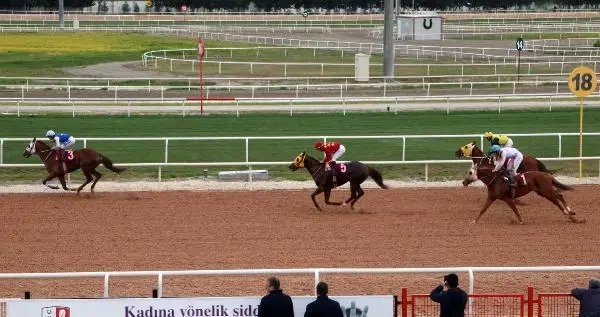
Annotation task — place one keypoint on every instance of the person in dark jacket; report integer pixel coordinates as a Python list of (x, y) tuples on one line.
[(276, 303), (323, 306), (589, 299), (452, 301)]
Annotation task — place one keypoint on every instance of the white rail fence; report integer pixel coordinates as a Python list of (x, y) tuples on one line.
[(383, 89), (316, 273), (149, 58), (294, 105), (420, 51), (402, 157)]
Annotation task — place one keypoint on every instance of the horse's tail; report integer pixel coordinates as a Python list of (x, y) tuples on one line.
[(561, 185), (376, 176), (109, 164), (543, 168)]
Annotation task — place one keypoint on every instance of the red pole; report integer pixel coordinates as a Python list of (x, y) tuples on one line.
[(404, 302), (530, 301)]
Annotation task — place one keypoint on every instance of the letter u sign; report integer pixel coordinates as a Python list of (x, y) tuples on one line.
[(427, 27)]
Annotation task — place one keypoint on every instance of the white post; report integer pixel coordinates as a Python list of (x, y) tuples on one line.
[(471, 290), (18, 109), (73, 107), (1, 151), (247, 150), (559, 145), (106, 285), (159, 285), (317, 278), (403, 148), (166, 150), (426, 173), (159, 174), (84, 143)]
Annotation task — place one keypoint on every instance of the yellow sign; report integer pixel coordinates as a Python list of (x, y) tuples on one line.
[(582, 81), (149, 3)]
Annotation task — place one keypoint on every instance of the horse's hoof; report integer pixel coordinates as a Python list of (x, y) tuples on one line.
[(344, 204), (473, 222), (572, 213)]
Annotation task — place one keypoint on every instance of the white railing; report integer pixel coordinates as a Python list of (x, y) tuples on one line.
[(382, 89), (402, 157), (315, 272), (447, 104)]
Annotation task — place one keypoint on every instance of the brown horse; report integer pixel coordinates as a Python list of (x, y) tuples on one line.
[(86, 159), (542, 183), (528, 164), (354, 172)]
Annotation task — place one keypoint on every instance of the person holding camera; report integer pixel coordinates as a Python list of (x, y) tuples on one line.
[(451, 298)]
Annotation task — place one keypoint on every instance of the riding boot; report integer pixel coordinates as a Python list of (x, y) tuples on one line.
[(512, 183), (334, 170)]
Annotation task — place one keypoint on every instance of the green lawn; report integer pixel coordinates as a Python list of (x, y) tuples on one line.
[(44, 54), (409, 123)]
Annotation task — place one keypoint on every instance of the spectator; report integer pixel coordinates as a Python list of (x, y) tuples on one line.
[(323, 306), (452, 301), (276, 303), (589, 299)]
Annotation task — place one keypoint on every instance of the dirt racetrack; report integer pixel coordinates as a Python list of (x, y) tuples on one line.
[(426, 227)]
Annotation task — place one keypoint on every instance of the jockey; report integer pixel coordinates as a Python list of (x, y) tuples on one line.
[(498, 139), (333, 151), (61, 141), (509, 156)]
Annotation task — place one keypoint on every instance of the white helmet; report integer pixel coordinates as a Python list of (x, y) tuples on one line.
[(50, 133)]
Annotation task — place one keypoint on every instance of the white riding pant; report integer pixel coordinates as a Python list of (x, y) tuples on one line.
[(338, 153), (509, 143), (514, 163), (70, 141)]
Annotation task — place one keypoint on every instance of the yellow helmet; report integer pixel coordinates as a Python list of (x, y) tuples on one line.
[(488, 135)]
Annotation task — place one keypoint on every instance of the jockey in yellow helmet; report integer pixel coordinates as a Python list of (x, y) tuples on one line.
[(497, 139)]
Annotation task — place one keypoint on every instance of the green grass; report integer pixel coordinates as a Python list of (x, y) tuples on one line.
[(44, 54), (303, 125)]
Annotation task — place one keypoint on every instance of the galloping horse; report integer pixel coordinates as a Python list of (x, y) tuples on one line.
[(540, 182), (86, 159), (529, 163), (354, 172)]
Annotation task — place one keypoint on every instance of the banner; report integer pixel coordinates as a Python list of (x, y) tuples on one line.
[(352, 306)]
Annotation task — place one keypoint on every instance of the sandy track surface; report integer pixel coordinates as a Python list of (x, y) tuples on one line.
[(427, 227)]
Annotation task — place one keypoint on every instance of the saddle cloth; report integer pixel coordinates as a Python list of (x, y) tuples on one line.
[(520, 179)]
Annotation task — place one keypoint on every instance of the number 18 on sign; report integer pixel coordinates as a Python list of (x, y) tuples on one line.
[(582, 82)]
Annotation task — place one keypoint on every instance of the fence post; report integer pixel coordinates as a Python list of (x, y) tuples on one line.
[(559, 145), (159, 285), (404, 302), (530, 301), (403, 148), (166, 150), (106, 285), (471, 290), (1, 151), (247, 150), (18, 108), (426, 172), (317, 278), (159, 174)]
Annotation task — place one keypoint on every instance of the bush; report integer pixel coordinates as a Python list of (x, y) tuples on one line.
[(597, 43), (136, 7)]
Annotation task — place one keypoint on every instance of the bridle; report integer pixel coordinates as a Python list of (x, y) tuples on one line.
[(34, 147), (477, 167)]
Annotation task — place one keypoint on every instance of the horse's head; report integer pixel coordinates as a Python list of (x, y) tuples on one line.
[(30, 149), (298, 162), (466, 150), (478, 172)]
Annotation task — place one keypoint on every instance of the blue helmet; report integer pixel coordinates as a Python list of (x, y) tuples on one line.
[(494, 149)]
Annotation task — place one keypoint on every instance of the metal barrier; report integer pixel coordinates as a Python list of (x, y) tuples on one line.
[(480, 305), (557, 305), (496, 305)]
